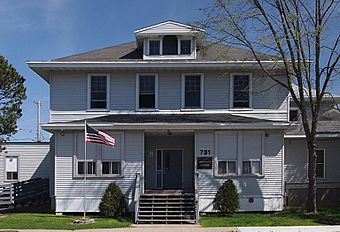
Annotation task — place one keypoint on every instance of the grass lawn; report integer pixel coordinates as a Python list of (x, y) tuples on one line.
[(288, 217), (51, 221)]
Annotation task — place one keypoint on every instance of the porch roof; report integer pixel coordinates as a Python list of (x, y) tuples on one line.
[(170, 121)]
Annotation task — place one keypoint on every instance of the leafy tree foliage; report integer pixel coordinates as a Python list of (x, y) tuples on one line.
[(113, 203), (226, 199), (12, 93)]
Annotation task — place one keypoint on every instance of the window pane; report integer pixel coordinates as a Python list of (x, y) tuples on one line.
[(159, 160), (232, 167), (154, 47), (222, 167), (98, 92), (319, 170), (185, 46), (9, 175), (170, 46), (147, 84), (192, 91), (91, 168), (241, 91), (320, 156), (246, 167), (105, 167), (147, 92), (256, 167), (293, 115), (15, 175), (80, 168), (147, 101), (115, 167)]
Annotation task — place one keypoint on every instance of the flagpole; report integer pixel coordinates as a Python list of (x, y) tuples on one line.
[(85, 171)]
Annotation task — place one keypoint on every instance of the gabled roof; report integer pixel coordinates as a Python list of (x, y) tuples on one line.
[(168, 27)]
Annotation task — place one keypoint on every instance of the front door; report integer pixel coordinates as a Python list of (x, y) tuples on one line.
[(169, 169)]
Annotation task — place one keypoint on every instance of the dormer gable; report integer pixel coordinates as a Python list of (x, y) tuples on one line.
[(169, 40)]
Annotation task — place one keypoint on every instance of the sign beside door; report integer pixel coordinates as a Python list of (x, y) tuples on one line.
[(204, 162)]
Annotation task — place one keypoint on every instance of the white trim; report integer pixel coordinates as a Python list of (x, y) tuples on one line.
[(231, 90), (169, 22), (173, 126), (183, 108), (329, 135), (108, 85), (156, 91)]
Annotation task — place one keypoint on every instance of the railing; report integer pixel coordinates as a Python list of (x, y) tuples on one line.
[(6, 195), (197, 208), (137, 195)]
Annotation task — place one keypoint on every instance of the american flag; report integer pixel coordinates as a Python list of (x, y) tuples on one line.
[(95, 136)]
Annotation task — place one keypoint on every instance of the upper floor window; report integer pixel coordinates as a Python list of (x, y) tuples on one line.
[(170, 45), (11, 168), (192, 91), (241, 91), (185, 47), (320, 163), (147, 91), (154, 47), (293, 115), (98, 91)]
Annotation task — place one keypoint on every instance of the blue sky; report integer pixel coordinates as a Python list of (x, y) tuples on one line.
[(47, 29)]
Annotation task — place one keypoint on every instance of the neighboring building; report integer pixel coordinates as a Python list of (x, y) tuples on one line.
[(328, 156), (21, 161), (176, 106)]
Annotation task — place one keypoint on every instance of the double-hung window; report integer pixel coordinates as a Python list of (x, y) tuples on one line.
[(320, 163), (185, 47), (192, 91), (98, 91), (11, 168), (154, 47), (147, 91), (241, 92)]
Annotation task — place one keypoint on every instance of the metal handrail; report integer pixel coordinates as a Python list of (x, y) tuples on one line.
[(137, 195), (197, 208)]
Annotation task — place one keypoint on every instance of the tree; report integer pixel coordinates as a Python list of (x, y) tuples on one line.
[(113, 203), (296, 34), (12, 93), (226, 199)]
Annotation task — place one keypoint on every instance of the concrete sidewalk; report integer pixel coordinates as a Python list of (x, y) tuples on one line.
[(198, 228)]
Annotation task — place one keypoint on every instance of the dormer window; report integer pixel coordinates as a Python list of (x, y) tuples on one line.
[(185, 47), (170, 45), (154, 47)]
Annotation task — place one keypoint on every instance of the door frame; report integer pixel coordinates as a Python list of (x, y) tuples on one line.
[(162, 158)]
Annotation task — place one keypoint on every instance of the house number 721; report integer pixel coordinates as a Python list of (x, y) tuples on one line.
[(205, 152)]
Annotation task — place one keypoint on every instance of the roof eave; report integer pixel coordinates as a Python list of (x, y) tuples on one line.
[(171, 126)]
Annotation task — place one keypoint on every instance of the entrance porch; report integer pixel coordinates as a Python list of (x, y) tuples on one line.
[(169, 161)]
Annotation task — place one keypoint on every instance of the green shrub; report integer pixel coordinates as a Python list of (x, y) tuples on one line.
[(113, 203), (226, 200)]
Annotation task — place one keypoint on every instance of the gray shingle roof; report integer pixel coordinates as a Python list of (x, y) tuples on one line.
[(174, 118), (129, 51), (324, 127)]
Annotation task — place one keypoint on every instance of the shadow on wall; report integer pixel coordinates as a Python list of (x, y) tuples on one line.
[(42, 171)]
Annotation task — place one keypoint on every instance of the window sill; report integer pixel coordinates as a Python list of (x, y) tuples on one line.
[(238, 176), (99, 177), (97, 110), (241, 109), (147, 110), (10, 181), (192, 110)]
